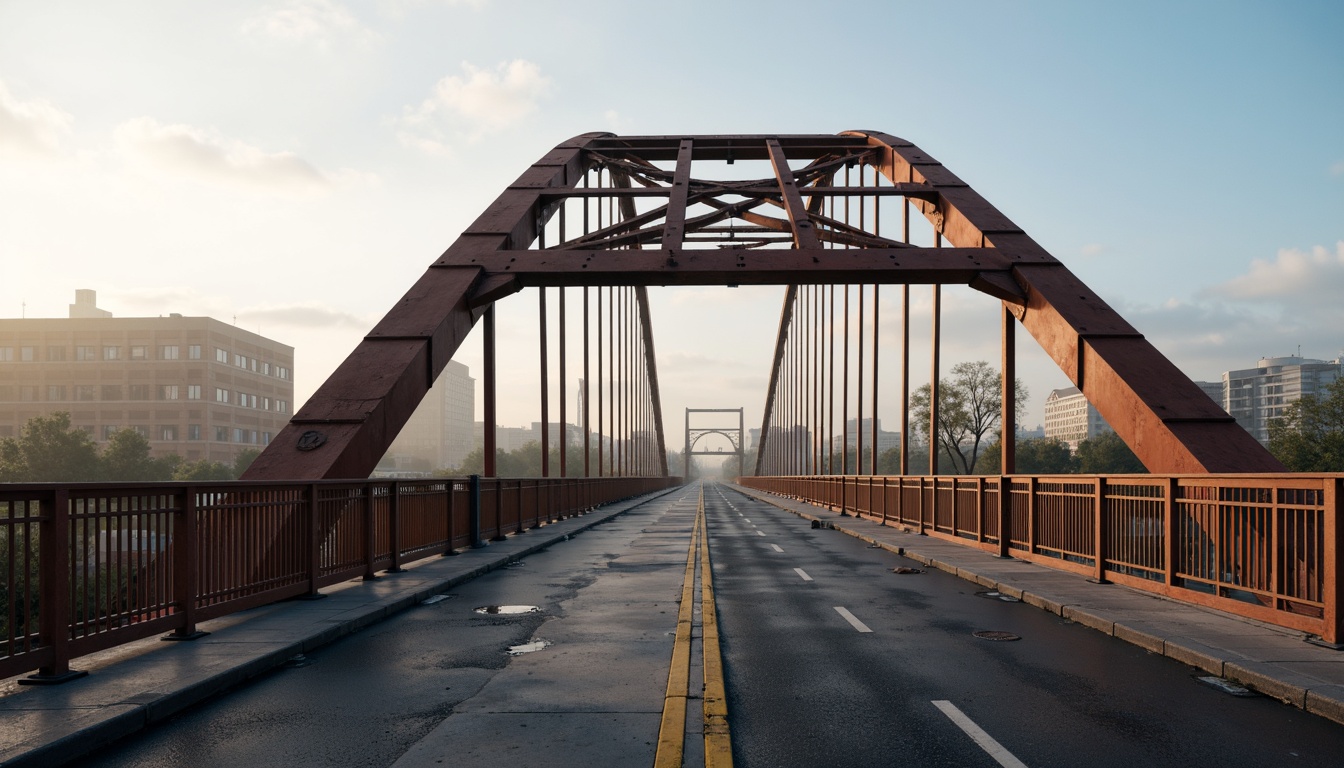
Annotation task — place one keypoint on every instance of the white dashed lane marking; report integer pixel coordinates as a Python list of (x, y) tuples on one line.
[(847, 616)]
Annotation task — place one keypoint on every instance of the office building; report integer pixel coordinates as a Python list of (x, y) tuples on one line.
[(192, 385), (1256, 396), (1070, 418), (440, 433)]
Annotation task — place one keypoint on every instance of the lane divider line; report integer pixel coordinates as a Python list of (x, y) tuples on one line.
[(672, 729), (851, 618), (776, 547), (803, 573), (718, 740), (993, 748)]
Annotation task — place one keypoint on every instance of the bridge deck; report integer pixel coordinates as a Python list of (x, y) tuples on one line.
[(146, 684)]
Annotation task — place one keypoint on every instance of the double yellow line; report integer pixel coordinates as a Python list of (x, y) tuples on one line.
[(672, 733)]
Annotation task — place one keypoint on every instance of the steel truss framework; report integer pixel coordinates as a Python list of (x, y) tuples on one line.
[(734, 434), (606, 211)]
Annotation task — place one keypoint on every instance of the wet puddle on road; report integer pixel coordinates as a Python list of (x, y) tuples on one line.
[(535, 645), (997, 596), (995, 634), (507, 610)]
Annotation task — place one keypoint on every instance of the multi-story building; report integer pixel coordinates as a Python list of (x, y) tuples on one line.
[(885, 440), (1071, 419), (1256, 396), (440, 433), (194, 386)]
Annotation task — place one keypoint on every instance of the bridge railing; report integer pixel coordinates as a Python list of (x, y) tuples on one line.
[(1266, 546), (85, 567)]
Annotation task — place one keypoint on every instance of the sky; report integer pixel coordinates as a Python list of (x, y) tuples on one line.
[(294, 166)]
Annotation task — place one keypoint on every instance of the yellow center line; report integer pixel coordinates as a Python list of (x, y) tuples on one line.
[(718, 743), (672, 731)]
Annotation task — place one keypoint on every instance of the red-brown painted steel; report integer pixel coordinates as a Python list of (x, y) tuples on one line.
[(783, 239)]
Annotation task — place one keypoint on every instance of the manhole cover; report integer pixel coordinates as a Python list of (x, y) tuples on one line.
[(992, 595), (995, 634), (906, 569), (511, 610)]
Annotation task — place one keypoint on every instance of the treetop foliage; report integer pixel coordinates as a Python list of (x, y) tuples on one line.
[(49, 450), (1309, 437)]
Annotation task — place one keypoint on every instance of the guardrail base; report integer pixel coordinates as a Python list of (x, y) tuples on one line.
[(41, 679)]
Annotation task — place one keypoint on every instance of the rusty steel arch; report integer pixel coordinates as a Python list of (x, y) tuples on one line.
[(666, 226)]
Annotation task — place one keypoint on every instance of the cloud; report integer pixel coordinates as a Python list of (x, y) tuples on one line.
[(1092, 249), (480, 100), (206, 154), (1337, 169), (31, 126), (319, 23), (303, 316), (1294, 276)]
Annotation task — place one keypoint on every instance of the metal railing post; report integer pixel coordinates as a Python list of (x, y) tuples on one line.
[(53, 620), (1100, 539), (449, 549), (1005, 515), (1333, 625), (394, 526), (474, 513), (185, 588), (370, 531)]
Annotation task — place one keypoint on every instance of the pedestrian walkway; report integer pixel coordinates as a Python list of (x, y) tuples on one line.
[(146, 682), (1271, 660)]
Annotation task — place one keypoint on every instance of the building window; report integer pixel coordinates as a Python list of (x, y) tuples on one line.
[(221, 434), (221, 395), (139, 391), (222, 356), (194, 352), (27, 354), (281, 406), (56, 392), (86, 353), (111, 353), (193, 391), (6, 354), (265, 438), (111, 392), (238, 435), (6, 393), (84, 392), (142, 431), (193, 431), (169, 352), (167, 391), (282, 372), (265, 403), (140, 352), (28, 393), (266, 369), (109, 430), (168, 432), (239, 361), (56, 354)]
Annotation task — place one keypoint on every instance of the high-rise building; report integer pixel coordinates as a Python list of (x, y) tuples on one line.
[(1256, 396), (192, 385), (440, 434), (1069, 417)]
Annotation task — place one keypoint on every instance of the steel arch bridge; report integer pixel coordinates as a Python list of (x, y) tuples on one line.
[(620, 213)]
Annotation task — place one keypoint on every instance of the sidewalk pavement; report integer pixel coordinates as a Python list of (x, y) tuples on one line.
[(138, 684), (1274, 661)]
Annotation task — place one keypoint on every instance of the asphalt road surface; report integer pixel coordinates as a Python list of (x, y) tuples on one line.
[(831, 659)]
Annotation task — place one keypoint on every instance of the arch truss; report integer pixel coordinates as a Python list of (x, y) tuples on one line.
[(609, 212)]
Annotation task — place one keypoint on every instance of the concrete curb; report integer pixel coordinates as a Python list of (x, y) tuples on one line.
[(106, 724), (1324, 700)]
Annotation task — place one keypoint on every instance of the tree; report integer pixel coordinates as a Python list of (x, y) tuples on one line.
[(126, 458), (203, 471), (1045, 456), (1309, 436), (969, 412), (49, 450), (1107, 454), (244, 460)]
